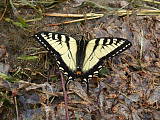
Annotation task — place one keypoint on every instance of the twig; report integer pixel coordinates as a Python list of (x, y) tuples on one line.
[(141, 44), (15, 100), (152, 1), (65, 96), (87, 16), (4, 11), (138, 12), (74, 15), (73, 21)]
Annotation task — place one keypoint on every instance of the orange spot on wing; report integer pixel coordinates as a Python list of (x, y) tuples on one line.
[(78, 72)]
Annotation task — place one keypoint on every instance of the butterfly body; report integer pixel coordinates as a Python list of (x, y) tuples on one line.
[(81, 58)]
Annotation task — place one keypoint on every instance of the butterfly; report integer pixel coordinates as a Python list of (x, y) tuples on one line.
[(80, 58)]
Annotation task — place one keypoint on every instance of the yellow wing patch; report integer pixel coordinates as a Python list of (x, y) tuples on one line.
[(67, 55), (92, 54)]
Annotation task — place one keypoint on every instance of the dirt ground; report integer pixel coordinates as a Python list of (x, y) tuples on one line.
[(30, 86)]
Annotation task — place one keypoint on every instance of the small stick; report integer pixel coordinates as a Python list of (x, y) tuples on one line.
[(65, 96), (87, 16), (15, 100), (73, 21), (74, 15), (138, 12)]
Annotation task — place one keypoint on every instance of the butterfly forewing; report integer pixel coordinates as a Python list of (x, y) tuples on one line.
[(102, 48), (63, 46)]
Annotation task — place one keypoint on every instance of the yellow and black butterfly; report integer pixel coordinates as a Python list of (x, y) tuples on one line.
[(81, 58)]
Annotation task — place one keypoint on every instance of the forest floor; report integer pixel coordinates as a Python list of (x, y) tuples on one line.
[(29, 85)]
